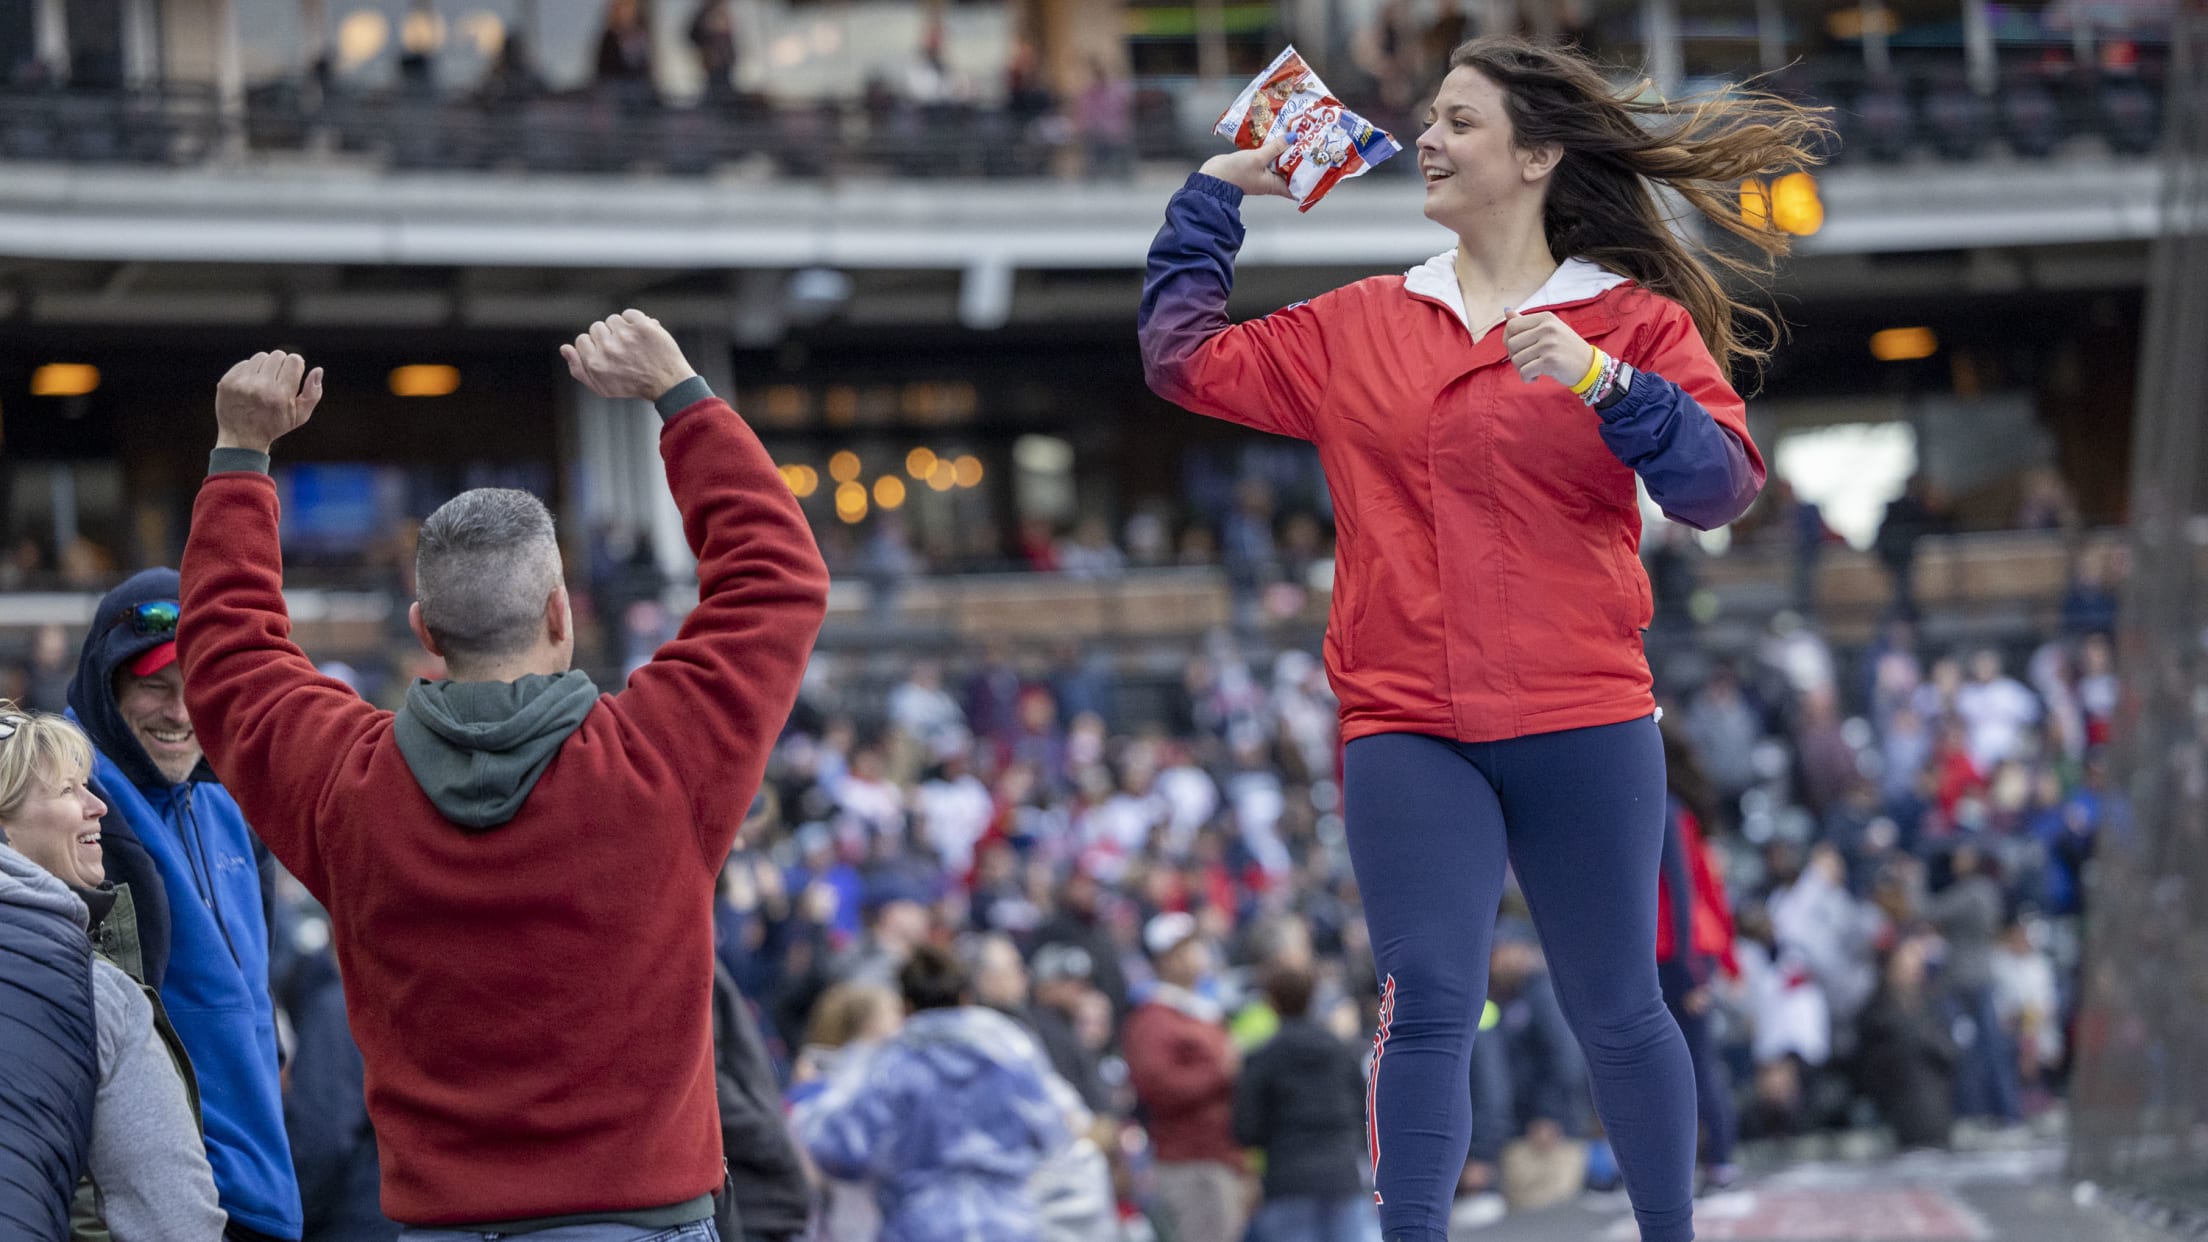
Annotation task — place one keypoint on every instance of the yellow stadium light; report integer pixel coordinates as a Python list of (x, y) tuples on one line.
[(64, 379), (969, 471), (944, 477), (803, 480), (1755, 204), (1903, 344), (919, 462), (851, 501), (1795, 205), (844, 466), (424, 381), (889, 491)]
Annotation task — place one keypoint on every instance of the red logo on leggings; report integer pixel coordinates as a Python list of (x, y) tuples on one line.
[(1372, 1082)]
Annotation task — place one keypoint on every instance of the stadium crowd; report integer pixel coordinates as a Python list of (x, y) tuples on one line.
[(1164, 907)]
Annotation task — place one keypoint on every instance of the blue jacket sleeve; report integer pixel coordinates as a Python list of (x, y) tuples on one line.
[(1684, 430), (1268, 373)]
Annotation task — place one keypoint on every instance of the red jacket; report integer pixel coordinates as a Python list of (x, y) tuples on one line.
[(1180, 1068), (1487, 578), (1710, 917), (532, 1001)]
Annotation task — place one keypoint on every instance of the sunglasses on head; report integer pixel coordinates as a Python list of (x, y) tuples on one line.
[(9, 723), (154, 618)]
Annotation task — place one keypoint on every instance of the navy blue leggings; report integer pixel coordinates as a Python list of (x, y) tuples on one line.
[(1579, 815)]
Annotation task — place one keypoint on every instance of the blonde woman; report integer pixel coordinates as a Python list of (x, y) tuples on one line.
[(147, 1166)]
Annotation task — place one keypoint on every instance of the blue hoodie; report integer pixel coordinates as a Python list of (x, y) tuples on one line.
[(216, 985)]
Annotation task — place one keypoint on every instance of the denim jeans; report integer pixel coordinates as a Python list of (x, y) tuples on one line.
[(1317, 1220), (695, 1231)]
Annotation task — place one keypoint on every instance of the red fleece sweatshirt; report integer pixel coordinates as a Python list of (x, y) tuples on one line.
[(532, 1000)]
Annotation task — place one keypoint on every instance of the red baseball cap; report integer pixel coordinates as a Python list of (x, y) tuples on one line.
[(154, 659)]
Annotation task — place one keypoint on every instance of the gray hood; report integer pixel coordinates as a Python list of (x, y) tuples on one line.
[(25, 883), (478, 747)]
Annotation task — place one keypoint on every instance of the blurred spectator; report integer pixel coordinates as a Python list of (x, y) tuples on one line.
[(1694, 941), (1148, 535), (1183, 1067), (512, 78), (712, 36), (1301, 1098), (1818, 923), (1528, 1075), (333, 1146), (848, 1023), (867, 798), (2027, 1003), (2047, 503), (998, 977), (952, 808), (1909, 517), (1389, 52), (928, 78), (1104, 121), (993, 693), (1828, 762), (1908, 1059), (1082, 679), (1724, 729), (896, 925), (1247, 537), (1996, 710), (1969, 916), (2098, 688), (1061, 988), (1089, 552), (948, 1118), (625, 55), (46, 687), (923, 710), (2089, 603), (767, 1198), (1078, 923)]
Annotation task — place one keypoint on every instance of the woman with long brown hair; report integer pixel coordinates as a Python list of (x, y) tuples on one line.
[(1481, 420)]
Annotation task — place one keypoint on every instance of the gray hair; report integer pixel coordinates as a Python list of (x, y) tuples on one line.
[(486, 562)]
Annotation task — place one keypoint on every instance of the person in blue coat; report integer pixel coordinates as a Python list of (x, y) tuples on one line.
[(48, 1049), (948, 1119), (128, 695)]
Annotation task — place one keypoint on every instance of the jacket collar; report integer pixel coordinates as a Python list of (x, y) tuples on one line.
[(1575, 280)]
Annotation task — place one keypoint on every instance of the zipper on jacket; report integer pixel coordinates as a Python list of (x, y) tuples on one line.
[(203, 871)]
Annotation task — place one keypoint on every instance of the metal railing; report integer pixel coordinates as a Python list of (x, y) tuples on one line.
[(1924, 111)]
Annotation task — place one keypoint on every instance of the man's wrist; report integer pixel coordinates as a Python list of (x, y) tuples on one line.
[(235, 457), (681, 395)]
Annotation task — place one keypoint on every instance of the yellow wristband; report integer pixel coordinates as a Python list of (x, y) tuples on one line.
[(1586, 382)]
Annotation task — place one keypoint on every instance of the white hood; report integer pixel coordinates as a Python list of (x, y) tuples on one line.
[(1575, 280)]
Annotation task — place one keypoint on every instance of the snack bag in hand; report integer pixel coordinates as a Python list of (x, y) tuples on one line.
[(1326, 141)]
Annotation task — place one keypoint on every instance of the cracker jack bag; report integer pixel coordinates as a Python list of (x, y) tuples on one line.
[(1326, 141)]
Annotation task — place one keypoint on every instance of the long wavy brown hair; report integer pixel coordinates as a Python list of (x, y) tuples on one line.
[(1620, 146)]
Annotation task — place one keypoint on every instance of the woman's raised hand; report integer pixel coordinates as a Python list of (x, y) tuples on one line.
[(1250, 171)]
